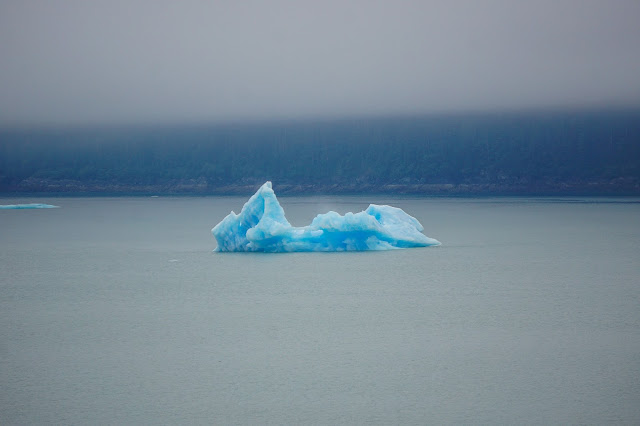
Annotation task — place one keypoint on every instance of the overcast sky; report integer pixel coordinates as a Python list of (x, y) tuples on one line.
[(89, 61)]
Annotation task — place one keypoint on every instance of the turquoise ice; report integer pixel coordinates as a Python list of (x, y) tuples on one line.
[(26, 206), (262, 226)]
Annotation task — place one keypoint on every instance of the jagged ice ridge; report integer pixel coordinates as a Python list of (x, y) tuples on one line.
[(262, 226)]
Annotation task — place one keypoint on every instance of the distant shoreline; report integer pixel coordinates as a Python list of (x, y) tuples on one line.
[(192, 187), (571, 153)]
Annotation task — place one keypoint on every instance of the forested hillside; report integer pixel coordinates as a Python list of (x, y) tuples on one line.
[(579, 152)]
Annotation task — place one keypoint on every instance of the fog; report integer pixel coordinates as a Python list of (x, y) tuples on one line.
[(78, 62)]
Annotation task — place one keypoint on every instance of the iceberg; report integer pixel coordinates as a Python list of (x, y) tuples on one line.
[(262, 226), (27, 206)]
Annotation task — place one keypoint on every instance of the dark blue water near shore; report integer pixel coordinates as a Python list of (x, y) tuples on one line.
[(116, 311)]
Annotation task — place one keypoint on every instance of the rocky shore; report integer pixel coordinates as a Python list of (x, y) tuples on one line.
[(619, 186)]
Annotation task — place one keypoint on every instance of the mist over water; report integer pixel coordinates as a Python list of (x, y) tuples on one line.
[(116, 310), (110, 62)]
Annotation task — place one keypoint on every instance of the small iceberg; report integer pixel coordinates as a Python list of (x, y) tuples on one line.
[(262, 227), (27, 206)]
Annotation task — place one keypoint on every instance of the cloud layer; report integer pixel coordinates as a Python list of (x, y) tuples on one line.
[(158, 61)]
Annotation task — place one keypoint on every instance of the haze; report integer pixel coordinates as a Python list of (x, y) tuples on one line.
[(79, 62)]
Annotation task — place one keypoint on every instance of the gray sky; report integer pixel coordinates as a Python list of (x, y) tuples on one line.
[(94, 61)]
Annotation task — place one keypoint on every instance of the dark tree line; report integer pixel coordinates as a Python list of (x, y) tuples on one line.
[(509, 150)]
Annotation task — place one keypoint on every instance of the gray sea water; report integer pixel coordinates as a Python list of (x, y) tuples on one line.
[(116, 311)]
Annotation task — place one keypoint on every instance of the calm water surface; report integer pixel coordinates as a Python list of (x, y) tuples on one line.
[(116, 311)]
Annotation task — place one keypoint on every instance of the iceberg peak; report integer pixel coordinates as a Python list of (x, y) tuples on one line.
[(261, 226)]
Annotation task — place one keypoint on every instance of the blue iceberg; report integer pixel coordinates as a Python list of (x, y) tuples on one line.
[(262, 227), (27, 206)]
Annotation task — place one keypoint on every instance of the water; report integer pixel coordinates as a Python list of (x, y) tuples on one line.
[(116, 311)]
